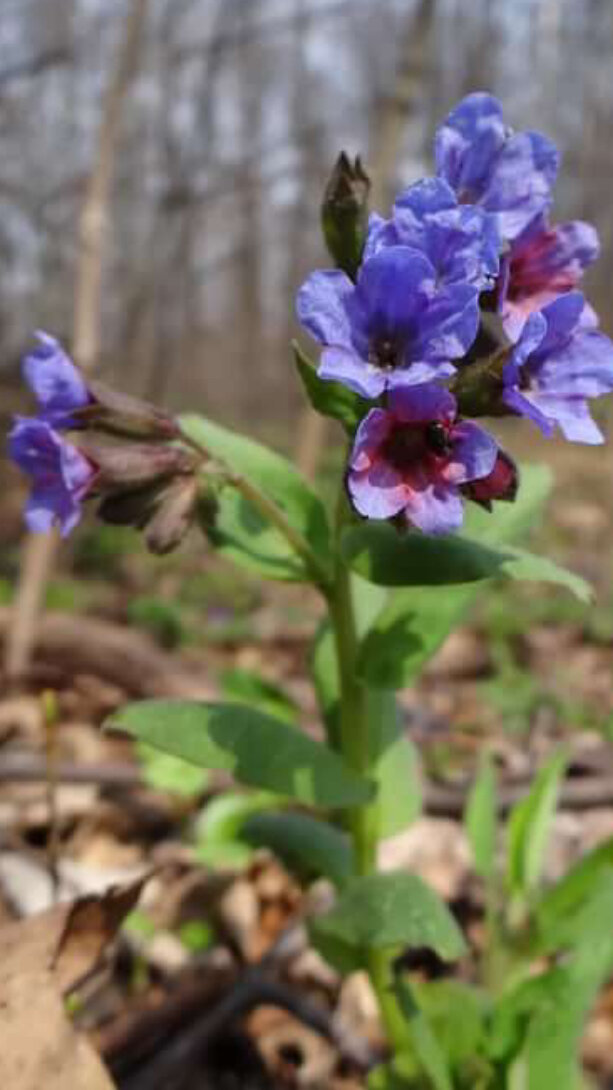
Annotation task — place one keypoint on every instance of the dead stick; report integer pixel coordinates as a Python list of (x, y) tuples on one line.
[(40, 550)]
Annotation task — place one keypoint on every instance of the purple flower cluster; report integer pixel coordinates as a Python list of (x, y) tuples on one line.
[(406, 331), (62, 475)]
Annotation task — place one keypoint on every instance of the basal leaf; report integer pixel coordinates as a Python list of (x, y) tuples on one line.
[(256, 748), (568, 895)]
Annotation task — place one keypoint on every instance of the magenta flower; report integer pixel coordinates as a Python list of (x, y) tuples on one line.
[(558, 363), (542, 263), (508, 174), (414, 457), (394, 327), (501, 484), (61, 475)]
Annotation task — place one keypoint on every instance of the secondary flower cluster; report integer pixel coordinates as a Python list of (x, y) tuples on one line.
[(144, 481), (464, 304)]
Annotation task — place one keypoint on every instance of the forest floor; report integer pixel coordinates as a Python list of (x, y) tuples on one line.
[(210, 981)]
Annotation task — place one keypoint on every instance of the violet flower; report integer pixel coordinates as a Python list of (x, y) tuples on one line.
[(557, 364), (543, 263), (487, 164), (393, 327), (460, 241), (61, 475), (58, 385), (414, 457)]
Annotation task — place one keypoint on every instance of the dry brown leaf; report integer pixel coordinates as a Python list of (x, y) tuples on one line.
[(39, 959)]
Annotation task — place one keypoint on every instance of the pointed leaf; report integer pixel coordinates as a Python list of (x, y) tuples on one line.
[(390, 558), (329, 398), (480, 819), (257, 749), (386, 910), (427, 1049), (575, 888), (530, 825)]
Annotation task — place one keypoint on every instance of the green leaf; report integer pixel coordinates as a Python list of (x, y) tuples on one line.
[(240, 532), (552, 1047), (577, 887), (408, 631), (247, 687), (529, 827), (313, 848), (458, 1014), (395, 766), (222, 820), (387, 910), (256, 748), (480, 819), (415, 622), (163, 772), (425, 1044), (329, 398), (572, 919), (385, 556)]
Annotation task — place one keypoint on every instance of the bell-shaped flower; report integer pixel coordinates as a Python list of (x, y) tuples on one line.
[(557, 365), (460, 241), (58, 385), (486, 163), (394, 327), (62, 476), (541, 264), (413, 458)]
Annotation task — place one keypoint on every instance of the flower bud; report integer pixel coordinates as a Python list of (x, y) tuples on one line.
[(174, 514), (501, 484), (126, 467), (344, 213), (121, 414)]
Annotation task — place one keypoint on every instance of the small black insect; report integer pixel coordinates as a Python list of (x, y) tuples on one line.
[(437, 439)]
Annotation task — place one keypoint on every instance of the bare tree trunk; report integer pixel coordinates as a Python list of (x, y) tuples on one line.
[(390, 123), (40, 550)]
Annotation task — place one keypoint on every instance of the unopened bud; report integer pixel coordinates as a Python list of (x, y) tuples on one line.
[(129, 466), (120, 414), (174, 514), (501, 484), (344, 213)]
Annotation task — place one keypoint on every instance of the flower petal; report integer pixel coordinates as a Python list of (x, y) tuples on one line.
[(321, 306), (449, 325), (57, 383), (419, 404), (474, 453), (436, 509), (391, 295), (343, 365)]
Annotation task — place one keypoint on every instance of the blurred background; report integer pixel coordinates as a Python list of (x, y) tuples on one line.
[(234, 114)]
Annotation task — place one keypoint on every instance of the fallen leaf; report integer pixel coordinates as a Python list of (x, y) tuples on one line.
[(40, 958)]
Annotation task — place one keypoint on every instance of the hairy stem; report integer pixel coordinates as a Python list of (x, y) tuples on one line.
[(355, 746)]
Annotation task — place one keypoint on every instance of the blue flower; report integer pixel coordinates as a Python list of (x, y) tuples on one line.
[(487, 164), (460, 241), (559, 362), (61, 475), (414, 457), (393, 327), (58, 385)]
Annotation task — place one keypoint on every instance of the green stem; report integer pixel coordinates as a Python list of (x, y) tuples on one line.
[(269, 510), (362, 821)]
